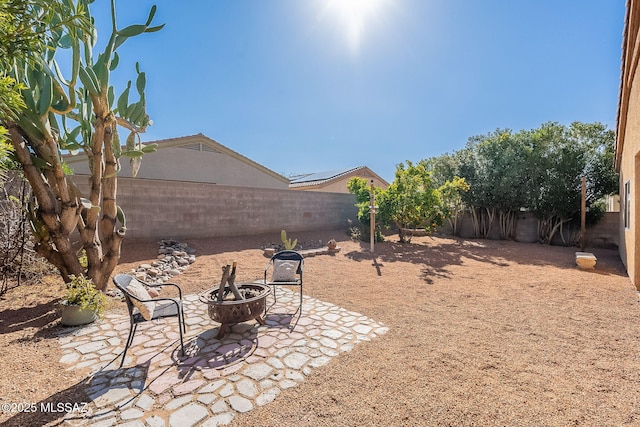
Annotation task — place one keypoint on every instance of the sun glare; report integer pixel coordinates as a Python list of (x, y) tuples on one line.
[(354, 15)]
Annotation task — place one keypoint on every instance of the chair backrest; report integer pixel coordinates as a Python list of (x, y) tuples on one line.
[(289, 256), (122, 282)]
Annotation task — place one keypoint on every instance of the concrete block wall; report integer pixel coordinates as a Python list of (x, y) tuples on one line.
[(158, 209), (603, 234)]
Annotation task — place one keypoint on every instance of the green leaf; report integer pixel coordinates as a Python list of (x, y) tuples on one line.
[(132, 154), (131, 141), (88, 82), (123, 100), (138, 113), (74, 133), (150, 148), (141, 82), (101, 71), (132, 30), (46, 95), (115, 143), (32, 128), (129, 112), (114, 61), (152, 13), (119, 41), (65, 42), (60, 104), (154, 29), (110, 96), (120, 216), (40, 163)]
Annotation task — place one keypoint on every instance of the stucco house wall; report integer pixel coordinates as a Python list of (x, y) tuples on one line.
[(628, 144), (196, 158)]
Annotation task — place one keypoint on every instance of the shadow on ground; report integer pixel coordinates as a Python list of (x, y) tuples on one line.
[(437, 255), (36, 316), (54, 408)]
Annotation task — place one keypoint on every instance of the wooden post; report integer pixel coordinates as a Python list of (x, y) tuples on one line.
[(583, 213), (372, 216)]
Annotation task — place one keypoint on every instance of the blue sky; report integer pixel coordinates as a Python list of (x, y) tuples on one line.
[(305, 86)]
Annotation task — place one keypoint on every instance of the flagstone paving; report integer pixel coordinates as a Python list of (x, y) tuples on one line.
[(216, 379)]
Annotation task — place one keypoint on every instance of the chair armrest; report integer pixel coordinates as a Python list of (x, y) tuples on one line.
[(159, 285), (283, 282), (173, 300)]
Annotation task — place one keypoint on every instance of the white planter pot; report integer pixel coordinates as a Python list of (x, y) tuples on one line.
[(73, 315)]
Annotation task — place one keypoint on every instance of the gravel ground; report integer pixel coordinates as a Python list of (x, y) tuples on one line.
[(481, 333)]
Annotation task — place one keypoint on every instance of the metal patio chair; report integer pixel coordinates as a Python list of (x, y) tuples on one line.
[(286, 268), (139, 304)]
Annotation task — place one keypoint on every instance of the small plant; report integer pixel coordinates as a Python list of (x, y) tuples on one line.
[(288, 243), (84, 262), (83, 293)]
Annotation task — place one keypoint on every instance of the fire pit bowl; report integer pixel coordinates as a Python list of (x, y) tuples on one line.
[(231, 312)]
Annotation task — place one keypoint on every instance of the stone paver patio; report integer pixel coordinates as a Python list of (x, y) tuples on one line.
[(217, 379)]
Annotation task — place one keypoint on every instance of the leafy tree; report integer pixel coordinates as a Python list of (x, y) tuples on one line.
[(75, 112), (444, 171), (539, 170), (10, 102), (479, 199), (19, 37), (562, 157), (452, 205), (506, 158), (412, 200)]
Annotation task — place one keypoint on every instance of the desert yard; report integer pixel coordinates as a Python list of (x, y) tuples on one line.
[(480, 333)]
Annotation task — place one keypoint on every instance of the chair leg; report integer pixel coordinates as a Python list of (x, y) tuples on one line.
[(300, 302), (182, 322), (180, 325), (132, 331)]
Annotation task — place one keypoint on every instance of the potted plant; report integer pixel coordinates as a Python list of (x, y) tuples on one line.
[(83, 303)]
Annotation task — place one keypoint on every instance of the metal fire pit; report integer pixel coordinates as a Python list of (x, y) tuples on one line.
[(231, 312)]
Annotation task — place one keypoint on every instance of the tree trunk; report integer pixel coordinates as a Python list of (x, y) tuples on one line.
[(507, 224), (59, 211)]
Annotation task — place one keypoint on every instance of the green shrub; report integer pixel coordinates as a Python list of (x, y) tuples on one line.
[(83, 293)]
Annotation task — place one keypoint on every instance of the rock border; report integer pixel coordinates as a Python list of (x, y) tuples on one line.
[(173, 259)]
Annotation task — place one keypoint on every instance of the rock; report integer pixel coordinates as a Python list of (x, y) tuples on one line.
[(173, 259)]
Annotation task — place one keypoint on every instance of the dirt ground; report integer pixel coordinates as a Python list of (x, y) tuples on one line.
[(481, 333)]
